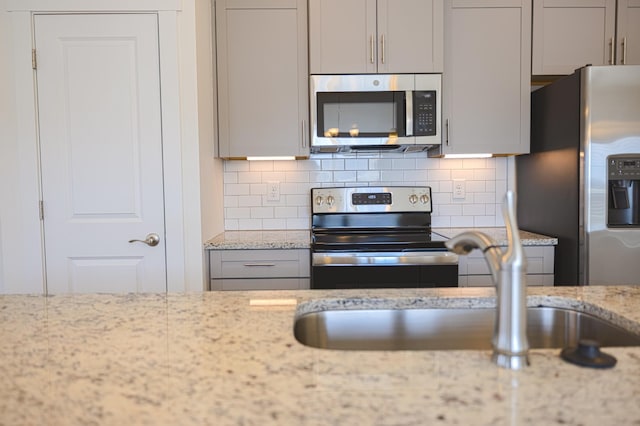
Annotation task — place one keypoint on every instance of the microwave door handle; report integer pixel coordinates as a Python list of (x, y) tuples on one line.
[(408, 100)]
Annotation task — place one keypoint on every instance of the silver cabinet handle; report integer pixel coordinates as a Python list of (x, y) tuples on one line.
[(446, 124), (304, 134), (624, 50), (372, 46), (408, 104), (152, 240), (611, 47), (382, 48), (259, 264)]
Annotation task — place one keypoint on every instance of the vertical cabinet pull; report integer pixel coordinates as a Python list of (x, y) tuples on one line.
[(447, 129), (382, 55), (304, 134), (611, 48), (624, 50), (372, 46)]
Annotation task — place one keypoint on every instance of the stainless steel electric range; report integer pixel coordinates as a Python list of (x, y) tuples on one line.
[(377, 237)]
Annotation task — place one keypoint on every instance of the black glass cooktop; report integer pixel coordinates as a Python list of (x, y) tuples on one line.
[(381, 240)]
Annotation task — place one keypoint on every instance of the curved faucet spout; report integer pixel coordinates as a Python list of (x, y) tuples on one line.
[(466, 242), (510, 344)]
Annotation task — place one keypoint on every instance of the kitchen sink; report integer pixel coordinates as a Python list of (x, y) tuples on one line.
[(449, 329)]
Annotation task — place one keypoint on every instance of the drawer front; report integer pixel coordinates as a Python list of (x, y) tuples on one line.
[(539, 261), (226, 264)]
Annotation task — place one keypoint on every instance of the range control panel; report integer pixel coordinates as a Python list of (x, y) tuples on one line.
[(371, 199), (624, 166)]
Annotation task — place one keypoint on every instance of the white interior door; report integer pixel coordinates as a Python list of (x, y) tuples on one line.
[(101, 151)]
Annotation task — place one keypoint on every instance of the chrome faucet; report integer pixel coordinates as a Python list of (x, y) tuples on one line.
[(508, 267)]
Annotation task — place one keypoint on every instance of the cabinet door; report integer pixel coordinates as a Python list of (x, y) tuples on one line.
[(569, 34), (342, 36), (487, 77), (100, 132), (369, 36), (410, 36), (262, 78), (628, 46)]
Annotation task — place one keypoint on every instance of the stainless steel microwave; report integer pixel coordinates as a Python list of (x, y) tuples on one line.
[(395, 112)]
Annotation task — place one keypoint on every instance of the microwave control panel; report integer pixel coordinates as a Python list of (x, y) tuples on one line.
[(424, 106)]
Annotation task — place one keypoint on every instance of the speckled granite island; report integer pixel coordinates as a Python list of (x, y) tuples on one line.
[(230, 358)]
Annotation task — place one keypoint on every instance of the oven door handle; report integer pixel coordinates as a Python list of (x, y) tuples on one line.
[(383, 258)]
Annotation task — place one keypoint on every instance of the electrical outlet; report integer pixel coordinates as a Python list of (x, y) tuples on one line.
[(459, 190), (273, 191)]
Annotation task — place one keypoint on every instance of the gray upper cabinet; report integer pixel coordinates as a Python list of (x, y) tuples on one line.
[(569, 34), (262, 78), (487, 74), (628, 33), (375, 36)]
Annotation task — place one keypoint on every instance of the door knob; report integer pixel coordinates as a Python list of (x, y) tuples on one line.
[(151, 240)]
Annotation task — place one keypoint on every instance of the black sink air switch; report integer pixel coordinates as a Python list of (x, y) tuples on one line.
[(588, 354)]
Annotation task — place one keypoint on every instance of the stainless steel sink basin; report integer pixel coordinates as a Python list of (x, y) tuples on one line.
[(449, 329)]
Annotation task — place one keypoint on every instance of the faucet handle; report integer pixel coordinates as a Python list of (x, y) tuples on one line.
[(515, 252)]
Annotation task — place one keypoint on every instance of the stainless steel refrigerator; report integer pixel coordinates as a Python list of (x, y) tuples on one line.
[(581, 182)]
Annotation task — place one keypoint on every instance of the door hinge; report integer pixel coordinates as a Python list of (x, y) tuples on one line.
[(41, 205), (34, 62)]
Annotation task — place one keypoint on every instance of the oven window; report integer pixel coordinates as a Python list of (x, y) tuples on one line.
[(361, 114)]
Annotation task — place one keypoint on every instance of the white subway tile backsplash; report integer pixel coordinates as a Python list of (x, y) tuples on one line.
[(356, 164), (462, 222), (249, 177), (480, 221), (368, 176), (391, 176), (244, 224), (249, 200), (439, 174), (484, 174), (321, 176), (337, 164), (340, 178), (238, 212), (247, 208), (274, 224), (473, 210)]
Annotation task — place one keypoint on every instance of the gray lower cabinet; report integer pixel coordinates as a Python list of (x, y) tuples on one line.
[(270, 269), (474, 272)]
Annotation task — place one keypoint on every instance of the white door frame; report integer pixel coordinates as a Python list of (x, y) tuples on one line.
[(183, 238)]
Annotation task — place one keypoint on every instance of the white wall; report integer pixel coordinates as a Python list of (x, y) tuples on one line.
[(5, 119), (211, 189), (245, 187), (20, 244)]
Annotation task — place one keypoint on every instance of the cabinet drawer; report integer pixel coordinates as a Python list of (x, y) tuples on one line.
[(258, 263), (539, 261)]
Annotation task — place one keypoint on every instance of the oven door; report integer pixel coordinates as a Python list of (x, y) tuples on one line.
[(419, 269)]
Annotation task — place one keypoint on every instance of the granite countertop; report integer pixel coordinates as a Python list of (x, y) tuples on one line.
[(300, 239), (244, 240), (231, 359)]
